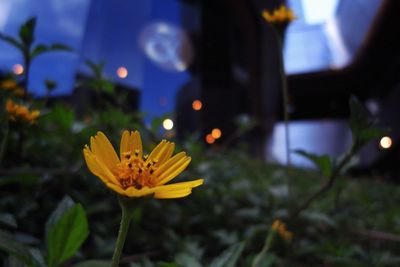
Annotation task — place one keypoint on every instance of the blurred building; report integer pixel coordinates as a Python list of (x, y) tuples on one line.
[(224, 55)]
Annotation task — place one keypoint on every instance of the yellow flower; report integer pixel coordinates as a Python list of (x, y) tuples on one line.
[(17, 111), (135, 175), (280, 228), (282, 15), (8, 84), (11, 85)]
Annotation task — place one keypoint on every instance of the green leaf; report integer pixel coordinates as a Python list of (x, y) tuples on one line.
[(16, 249), (97, 69), (371, 133), (363, 126), (14, 262), (8, 219), (322, 162), (61, 47), (359, 115), (185, 259), (93, 263), (26, 32), (67, 235), (168, 264), (229, 257), (62, 116), (105, 86), (65, 204), (266, 260), (40, 49), (12, 41)]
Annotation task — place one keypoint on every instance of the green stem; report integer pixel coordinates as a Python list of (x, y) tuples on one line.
[(27, 66), (4, 142), (285, 93), (267, 245), (123, 230), (331, 181)]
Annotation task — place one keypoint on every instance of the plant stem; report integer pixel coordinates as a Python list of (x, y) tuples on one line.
[(123, 230), (4, 142), (285, 98), (327, 185), (27, 66), (267, 245)]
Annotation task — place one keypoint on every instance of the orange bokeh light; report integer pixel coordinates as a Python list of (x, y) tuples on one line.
[(210, 139), (216, 133), (18, 69), (122, 72), (197, 105)]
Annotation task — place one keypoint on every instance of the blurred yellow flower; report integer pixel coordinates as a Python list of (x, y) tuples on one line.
[(11, 85), (282, 15), (280, 228), (135, 175), (8, 84), (17, 111)]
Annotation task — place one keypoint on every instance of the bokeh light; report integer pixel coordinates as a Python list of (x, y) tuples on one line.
[(168, 124), (385, 142), (122, 72), (216, 133), (18, 69), (168, 46), (197, 105), (210, 139)]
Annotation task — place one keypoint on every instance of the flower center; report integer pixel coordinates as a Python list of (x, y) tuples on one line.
[(134, 171)]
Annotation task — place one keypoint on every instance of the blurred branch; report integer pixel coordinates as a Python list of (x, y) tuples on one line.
[(364, 129), (328, 185)]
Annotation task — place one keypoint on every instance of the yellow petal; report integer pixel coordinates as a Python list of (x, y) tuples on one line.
[(267, 16), (173, 194), (173, 171), (116, 188), (104, 151), (126, 144), (164, 167), (176, 190), (166, 153), (137, 143), (156, 151), (130, 142), (179, 186), (133, 192), (92, 164), (97, 168), (35, 113)]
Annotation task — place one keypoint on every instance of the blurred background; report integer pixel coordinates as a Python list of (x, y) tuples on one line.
[(206, 75), (208, 63)]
